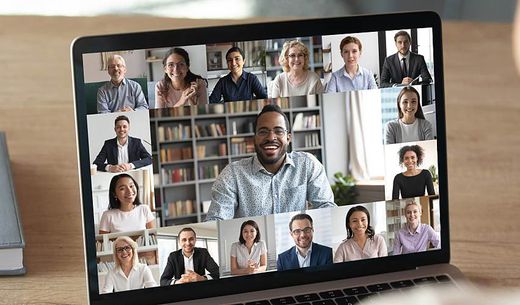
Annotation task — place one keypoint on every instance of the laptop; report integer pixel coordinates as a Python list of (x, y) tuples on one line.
[(293, 162)]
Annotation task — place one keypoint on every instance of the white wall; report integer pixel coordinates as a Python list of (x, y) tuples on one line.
[(101, 128), (335, 134), (136, 66)]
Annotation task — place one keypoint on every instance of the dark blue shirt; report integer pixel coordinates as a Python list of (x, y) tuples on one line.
[(247, 88)]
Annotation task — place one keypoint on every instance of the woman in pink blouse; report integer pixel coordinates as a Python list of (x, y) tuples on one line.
[(180, 86), (361, 242)]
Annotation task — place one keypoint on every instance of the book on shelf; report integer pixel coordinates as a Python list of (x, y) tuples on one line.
[(306, 122), (209, 171), (169, 154), (12, 241), (180, 208), (242, 145), (222, 149), (176, 132), (176, 175), (312, 140), (171, 112), (210, 130)]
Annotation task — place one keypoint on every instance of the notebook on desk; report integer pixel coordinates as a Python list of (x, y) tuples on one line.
[(273, 163)]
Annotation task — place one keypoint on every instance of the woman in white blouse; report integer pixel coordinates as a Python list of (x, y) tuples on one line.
[(249, 254), (361, 242), (296, 79), (127, 273), (125, 211)]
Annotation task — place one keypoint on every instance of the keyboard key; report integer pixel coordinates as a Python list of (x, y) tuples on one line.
[(379, 287), (331, 294), (346, 301), (283, 301), (309, 297), (425, 280), (443, 278), (362, 297), (260, 302), (402, 284), (355, 290), (324, 302)]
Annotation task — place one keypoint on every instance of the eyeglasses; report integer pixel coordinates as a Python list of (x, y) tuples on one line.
[(177, 65), (294, 55), (264, 132), (305, 230), (123, 249)]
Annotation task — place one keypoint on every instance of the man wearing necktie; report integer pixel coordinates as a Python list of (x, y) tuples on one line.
[(404, 66)]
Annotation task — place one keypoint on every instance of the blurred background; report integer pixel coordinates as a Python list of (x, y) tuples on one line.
[(474, 10)]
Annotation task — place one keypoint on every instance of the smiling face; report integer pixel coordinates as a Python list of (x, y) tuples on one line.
[(124, 252), (121, 128), (402, 44), (125, 191), (302, 233), (296, 59), (235, 62), (413, 215), (176, 67), (350, 54), (187, 242), (358, 223), (410, 160), (408, 104), (249, 234), (271, 148), (116, 70)]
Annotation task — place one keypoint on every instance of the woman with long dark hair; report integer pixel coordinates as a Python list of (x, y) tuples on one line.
[(179, 86), (361, 242)]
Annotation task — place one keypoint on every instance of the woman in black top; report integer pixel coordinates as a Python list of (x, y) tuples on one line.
[(413, 181)]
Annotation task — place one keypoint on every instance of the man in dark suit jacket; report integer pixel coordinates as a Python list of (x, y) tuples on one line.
[(305, 253), (189, 263), (395, 71), (134, 155)]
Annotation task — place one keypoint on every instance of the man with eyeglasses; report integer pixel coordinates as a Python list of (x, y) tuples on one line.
[(273, 180), (189, 263), (120, 93), (305, 253)]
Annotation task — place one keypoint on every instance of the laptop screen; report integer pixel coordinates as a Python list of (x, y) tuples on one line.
[(246, 156)]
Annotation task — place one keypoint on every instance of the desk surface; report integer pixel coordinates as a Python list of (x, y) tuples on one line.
[(36, 111)]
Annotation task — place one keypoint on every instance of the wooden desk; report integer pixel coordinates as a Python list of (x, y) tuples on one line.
[(36, 111)]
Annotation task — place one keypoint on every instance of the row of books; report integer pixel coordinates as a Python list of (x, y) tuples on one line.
[(176, 175), (180, 208), (241, 145), (201, 151), (172, 112), (306, 122), (312, 140), (209, 171), (176, 132), (247, 127), (169, 154), (141, 241), (210, 130)]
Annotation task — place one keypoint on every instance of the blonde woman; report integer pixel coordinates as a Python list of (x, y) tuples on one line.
[(127, 273), (296, 78)]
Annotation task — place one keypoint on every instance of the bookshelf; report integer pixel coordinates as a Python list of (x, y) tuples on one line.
[(186, 165), (147, 251)]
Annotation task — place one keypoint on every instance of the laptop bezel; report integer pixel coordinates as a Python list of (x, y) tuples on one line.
[(248, 32)]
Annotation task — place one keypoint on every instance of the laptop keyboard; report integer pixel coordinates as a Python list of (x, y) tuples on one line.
[(353, 295)]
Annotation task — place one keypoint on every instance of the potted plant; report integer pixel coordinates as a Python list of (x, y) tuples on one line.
[(344, 189), (435, 178)]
